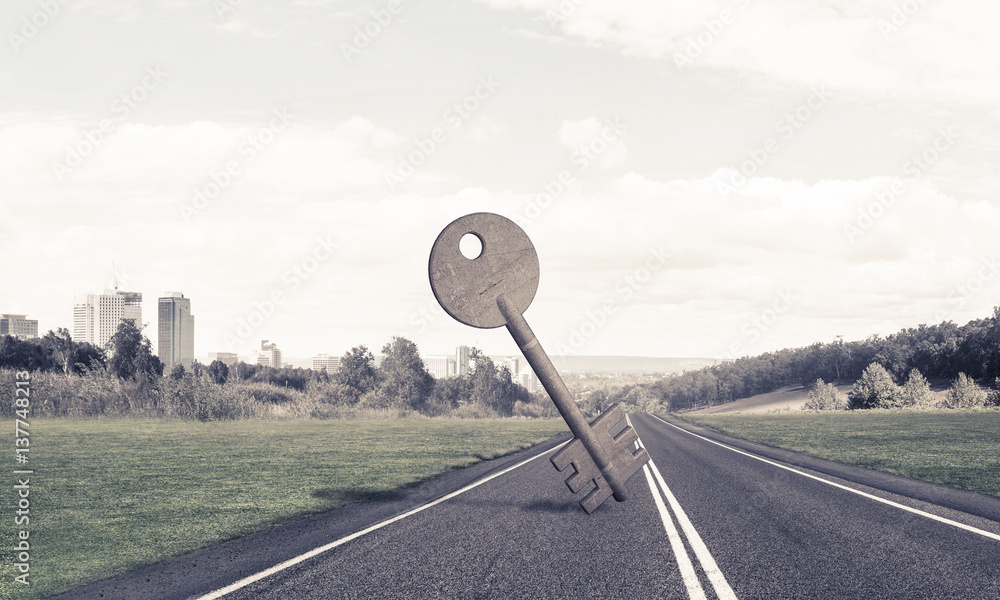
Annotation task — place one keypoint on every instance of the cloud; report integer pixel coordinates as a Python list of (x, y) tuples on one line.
[(728, 257), (486, 129), (941, 50), (592, 139), (234, 26), (165, 161)]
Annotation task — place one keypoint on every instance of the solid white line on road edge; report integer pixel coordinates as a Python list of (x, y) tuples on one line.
[(695, 591), (708, 564), (844, 487), (242, 583)]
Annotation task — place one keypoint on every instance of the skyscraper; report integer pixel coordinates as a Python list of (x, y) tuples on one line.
[(462, 361), (269, 354), (19, 326), (96, 318), (514, 365), (175, 342)]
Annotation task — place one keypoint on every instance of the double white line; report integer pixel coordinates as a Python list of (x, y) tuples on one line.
[(691, 581)]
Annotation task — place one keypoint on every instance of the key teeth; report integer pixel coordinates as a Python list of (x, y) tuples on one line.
[(584, 472), (584, 469), (597, 496)]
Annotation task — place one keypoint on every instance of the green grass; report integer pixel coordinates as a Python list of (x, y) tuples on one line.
[(960, 448), (110, 496)]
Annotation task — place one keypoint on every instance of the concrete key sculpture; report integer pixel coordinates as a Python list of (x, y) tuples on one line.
[(494, 289)]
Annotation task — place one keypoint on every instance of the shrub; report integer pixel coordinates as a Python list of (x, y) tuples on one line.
[(826, 396), (964, 393), (266, 393), (875, 389), (916, 392), (475, 410)]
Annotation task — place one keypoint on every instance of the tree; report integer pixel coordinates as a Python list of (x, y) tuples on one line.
[(494, 387), (86, 357), (131, 353), (916, 392), (403, 380), (964, 393), (243, 371), (994, 396), (178, 372), (218, 371), (23, 355), (640, 398), (826, 396), (60, 348), (449, 393), (875, 389), (357, 372)]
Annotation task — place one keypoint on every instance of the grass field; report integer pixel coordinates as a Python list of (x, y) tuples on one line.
[(960, 448), (109, 496)]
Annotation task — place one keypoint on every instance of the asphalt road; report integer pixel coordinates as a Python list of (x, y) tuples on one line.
[(706, 521)]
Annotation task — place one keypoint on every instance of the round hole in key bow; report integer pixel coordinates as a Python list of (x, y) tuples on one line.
[(471, 246)]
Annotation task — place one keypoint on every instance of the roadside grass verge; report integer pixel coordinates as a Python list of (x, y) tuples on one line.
[(959, 448), (109, 496)]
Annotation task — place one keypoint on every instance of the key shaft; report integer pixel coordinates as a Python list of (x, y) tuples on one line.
[(560, 394)]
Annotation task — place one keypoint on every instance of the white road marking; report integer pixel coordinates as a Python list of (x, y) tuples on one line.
[(708, 564), (916, 511), (242, 583), (715, 576), (695, 592)]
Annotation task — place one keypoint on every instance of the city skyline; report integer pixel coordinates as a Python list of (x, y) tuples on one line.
[(101, 313), (704, 180)]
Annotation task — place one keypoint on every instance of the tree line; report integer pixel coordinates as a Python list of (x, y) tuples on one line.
[(940, 351), (127, 378)]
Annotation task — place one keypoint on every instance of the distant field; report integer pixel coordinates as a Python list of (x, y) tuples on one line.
[(954, 447), (110, 496), (791, 397), (794, 397), (634, 365)]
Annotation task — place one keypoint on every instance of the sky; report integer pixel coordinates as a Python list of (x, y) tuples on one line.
[(699, 179)]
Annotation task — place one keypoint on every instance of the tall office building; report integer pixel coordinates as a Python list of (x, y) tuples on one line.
[(97, 316), (19, 326), (175, 343), (228, 358), (529, 380), (325, 362), (269, 355), (462, 361), (513, 365)]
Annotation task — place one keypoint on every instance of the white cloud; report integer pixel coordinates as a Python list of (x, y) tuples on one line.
[(167, 160), (942, 50), (234, 26), (594, 140), (486, 129), (728, 261)]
